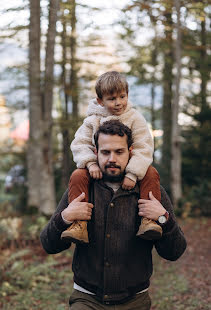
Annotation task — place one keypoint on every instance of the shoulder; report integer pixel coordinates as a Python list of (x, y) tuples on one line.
[(95, 109), (133, 114), (164, 195), (134, 119), (91, 120), (137, 116), (165, 200)]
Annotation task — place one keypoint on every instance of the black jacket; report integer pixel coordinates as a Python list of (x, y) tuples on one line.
[(115, 264)]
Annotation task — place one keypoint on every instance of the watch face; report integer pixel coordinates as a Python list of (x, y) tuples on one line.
[(162, 219)]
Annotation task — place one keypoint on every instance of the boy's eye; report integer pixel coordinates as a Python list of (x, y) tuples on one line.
[(123, 96)]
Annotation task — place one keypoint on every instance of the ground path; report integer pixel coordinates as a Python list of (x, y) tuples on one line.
[(186, 283)]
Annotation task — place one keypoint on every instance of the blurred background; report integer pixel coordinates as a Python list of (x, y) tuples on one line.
[(51, 54)]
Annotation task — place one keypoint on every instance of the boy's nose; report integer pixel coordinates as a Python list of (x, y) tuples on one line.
[(117, 101)]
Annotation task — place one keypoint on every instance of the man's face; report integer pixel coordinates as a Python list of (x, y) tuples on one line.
[(113, 154), (115, 103)]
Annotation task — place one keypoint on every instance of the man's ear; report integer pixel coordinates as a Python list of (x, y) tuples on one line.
[(130, 151), (100, 101)]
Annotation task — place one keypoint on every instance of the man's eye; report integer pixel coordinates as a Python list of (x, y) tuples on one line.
[(105, 152), (119, 152)]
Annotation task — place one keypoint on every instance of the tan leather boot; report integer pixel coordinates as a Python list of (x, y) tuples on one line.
[(149, 230), (77, 232)]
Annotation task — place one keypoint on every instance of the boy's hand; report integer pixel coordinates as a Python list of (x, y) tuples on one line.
[(95, 172), (128, 183)]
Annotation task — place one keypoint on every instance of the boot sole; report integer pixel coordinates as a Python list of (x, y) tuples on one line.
[(149, 235)]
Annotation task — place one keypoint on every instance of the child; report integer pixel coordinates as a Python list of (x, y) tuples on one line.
[(112, 103)]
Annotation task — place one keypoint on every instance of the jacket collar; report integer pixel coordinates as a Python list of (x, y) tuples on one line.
[(121, 191)]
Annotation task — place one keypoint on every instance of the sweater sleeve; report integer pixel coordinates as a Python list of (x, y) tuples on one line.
[(50, 237), (143, 147), (82, 146), (172, 243)]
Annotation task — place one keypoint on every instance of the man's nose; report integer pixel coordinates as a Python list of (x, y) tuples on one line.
[(112, 157)]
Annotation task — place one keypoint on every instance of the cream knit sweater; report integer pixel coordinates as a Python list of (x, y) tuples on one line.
[(83, 145)]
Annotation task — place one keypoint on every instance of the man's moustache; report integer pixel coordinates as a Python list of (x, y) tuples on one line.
[(112, 166)]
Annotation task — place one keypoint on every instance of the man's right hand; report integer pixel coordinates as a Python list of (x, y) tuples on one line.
[(78, 210)]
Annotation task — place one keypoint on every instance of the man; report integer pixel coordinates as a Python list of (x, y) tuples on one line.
[(116, 266)]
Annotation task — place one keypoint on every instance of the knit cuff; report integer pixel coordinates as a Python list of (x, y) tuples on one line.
[(59, 223), (66, 221), (131, 176), (168, 225), (88, 165)]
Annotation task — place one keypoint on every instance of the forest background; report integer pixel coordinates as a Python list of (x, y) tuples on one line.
[(51, 54)]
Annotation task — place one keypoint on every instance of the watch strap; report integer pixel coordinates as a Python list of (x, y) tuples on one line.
[(166, 215)]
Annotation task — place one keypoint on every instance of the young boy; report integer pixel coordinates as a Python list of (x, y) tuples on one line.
[(112, 103)]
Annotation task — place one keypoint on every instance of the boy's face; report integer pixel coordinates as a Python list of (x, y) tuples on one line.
[(115, 103)]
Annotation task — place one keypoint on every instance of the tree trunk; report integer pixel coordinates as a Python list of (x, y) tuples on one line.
[(203, 67), (167, 101), (73, 63), (65, 116), (204, 109), (176, 187), (34, 149), (48, 201), (153, 111), (154, 64)]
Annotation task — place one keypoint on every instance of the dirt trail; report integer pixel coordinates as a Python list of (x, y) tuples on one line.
[(187, 284)]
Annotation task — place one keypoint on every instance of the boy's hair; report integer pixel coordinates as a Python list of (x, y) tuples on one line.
[(109, 83), (114, 127)]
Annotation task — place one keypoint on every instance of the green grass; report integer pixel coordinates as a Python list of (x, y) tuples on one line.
[(30, 282), (27, 283), (171, 290)]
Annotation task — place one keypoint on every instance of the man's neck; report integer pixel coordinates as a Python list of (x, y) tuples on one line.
[(114, 185)]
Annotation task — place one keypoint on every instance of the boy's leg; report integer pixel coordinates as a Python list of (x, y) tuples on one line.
[(150, 182), (79, 183), (149, 229)]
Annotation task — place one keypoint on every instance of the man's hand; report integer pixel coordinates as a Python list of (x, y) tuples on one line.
[(95, 172), (128, 183), (78, 210), (151, 208)]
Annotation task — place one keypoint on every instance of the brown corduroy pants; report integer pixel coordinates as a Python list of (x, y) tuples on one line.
[(80, 178), (82, 301)]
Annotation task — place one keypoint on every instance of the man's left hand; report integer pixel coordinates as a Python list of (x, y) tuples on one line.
[(151, 208)]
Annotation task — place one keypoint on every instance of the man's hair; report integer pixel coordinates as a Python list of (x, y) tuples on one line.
[(114, 127), (109, 83)]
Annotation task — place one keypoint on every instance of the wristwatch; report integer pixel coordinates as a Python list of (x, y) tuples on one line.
[(162, 219)]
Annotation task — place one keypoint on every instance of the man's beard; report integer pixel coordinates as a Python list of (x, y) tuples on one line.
[(113, 177)]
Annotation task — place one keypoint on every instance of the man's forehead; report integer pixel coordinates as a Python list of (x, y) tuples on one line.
[(106, 141)]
